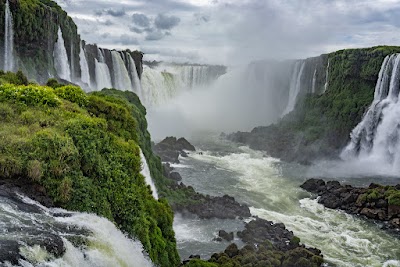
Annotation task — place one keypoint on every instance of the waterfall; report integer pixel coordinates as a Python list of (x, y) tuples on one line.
[(327, 77), (8, 40), (295, 86), (102, 72), (136, 85), (146, 173), (85, 74), (33, 233), (72, 62), (121, 75), (61, 58), (314, 80), (376, 139)]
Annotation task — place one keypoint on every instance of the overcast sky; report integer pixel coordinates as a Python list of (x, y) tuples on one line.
[(235, 32)]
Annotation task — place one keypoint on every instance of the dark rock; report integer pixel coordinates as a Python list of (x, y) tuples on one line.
[(370, 202), (225, 235), (170, 148), (194, 257), (314, 185), (232, 250), (175, 176), (9, 251)]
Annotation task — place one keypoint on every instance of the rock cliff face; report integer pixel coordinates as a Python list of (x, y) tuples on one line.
[(324, 113), (36, 24)]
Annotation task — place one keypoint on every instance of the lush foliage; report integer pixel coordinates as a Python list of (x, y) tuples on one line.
[(84, 151)]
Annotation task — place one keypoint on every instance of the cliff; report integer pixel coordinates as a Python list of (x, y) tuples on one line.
[(82, 152), (322, 118), (35, 33)]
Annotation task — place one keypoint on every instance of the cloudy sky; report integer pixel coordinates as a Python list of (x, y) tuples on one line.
[(235, 32)]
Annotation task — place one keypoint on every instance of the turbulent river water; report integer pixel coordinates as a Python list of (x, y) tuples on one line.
[(271, 189)]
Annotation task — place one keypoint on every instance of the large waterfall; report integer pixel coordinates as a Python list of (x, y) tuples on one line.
[(8, 40), (146, 173), (34, 235), (295, 86), (61, 58), (85, 75), (376, 139), (136, 83)]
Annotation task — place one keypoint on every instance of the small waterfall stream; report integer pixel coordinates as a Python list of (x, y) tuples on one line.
[(85, 75), (295, 86), (61, 58), (8, 40), (121, 75)]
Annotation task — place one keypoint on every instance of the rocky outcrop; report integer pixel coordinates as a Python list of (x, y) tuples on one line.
[(267, 244), (381, 203), (207, 207), (171, 148)]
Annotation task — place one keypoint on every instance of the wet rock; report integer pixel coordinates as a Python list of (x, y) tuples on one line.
[(371, 202), (225, 235), (170, 148), (175, 176), (9, 251)]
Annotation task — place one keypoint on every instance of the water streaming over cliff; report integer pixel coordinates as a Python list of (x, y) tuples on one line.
[(136, 83), (146, 173), (102, 72), (122, 80), (36, 236), (295, 86), (376, 139), (61, 63), (8, 40), (85, 75)]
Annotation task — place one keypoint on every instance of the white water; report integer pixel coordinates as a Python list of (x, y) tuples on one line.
[(105, 244), (295, 86), (327, 76), (375, 141), (147, 175), (136, 84), (271, 189), (85, 74), (314, 80), (122, 80), (102, 72), (72, 62), (61, 58), (8, 40)]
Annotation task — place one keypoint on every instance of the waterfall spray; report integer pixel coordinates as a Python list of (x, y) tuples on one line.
[(121, 75), (295, 86), (8, 40)]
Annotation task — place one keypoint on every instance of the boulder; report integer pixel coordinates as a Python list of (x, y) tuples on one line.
[(225, 235)]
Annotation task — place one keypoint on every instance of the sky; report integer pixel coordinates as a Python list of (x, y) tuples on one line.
[(232, 32)]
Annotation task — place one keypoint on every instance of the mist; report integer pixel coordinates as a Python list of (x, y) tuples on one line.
[(243, 98)]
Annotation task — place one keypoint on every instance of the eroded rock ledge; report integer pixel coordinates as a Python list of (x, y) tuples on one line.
[(377, 202)]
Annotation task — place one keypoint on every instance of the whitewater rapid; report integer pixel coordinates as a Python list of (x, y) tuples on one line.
[(89, 240), (271, 189)]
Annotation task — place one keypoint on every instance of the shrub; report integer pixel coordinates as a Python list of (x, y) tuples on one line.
[(73, 94), (30, 95)]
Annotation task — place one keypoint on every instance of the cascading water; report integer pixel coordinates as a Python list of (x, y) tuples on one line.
[(34, 235), (376, 139), (295, 86), (8, 40), (85, 74), (102, 72), (146, 173), (314, 80), (121, 75), (72, 62), (61, 58), (136, 84), (327, 77)]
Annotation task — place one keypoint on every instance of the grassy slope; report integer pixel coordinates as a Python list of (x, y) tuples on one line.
[(84, 150)]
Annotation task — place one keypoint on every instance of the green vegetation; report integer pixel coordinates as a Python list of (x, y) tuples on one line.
[(84, 151), (388, 193)]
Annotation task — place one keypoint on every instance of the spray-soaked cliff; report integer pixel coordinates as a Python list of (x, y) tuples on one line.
[(318, 125), (39, 38)]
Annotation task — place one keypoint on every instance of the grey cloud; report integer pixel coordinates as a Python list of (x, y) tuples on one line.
[(110, 11), (136, 30), (155, 36), (107, 22), (164, 22), (128, 40), (141, 20)]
